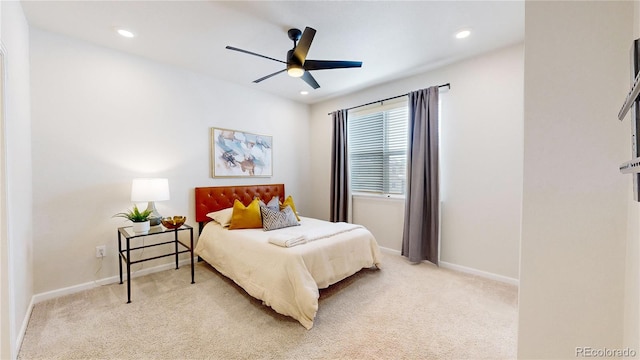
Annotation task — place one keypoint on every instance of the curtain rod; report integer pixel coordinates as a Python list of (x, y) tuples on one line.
[(447, 85)]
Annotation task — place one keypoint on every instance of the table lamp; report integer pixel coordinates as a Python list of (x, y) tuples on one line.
[(150, 190)]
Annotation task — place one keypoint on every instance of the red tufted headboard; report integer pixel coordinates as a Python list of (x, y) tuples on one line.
[(216, 198)]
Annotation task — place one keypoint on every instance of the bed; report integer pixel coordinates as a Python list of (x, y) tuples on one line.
[(287, 279)]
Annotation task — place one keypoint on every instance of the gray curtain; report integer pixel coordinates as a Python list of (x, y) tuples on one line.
[(339, 168), (422, 204)]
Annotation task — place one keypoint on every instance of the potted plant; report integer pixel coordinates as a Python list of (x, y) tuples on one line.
[(139, 218)]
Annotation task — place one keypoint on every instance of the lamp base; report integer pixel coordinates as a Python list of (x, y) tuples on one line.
[(155, 219)]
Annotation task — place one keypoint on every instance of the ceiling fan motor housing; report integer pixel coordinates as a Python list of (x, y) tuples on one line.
[(293, 63), (292, 59)]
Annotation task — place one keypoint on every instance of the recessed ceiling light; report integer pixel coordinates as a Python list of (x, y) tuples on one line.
[(304, 92), (126, 33), (463, 34)]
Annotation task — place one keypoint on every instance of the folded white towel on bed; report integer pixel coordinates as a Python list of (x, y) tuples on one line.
[(329, 230), (287, 239)]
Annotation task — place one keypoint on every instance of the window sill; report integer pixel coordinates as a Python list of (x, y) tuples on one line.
[(378, 196)]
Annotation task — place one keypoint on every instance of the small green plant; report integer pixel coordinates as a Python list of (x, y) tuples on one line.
[(135, 215)]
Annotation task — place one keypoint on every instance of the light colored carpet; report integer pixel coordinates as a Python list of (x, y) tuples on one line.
[(403, 311)]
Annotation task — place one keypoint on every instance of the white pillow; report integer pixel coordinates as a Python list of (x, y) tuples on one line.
[(223, 217)]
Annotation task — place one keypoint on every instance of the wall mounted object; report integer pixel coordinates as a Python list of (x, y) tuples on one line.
[(240, 154)]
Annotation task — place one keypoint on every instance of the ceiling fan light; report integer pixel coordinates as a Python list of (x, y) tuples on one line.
[(295, 71)]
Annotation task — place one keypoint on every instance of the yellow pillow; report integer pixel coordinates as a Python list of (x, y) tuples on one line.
[(289, 201), (246, 217)]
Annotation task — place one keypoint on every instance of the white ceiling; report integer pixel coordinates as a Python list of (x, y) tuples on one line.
[(393, 39)]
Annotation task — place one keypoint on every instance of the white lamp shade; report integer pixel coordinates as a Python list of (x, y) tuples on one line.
[(150, 190)]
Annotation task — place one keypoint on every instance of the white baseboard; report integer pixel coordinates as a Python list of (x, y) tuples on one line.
[(480, 273), (110, 280), (23, 328), (464, 269), (390, 251)]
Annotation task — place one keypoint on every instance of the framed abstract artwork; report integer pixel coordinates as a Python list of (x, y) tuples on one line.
[(240, 154)]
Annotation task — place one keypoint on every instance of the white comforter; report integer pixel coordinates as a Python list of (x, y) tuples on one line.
[(288, 278)]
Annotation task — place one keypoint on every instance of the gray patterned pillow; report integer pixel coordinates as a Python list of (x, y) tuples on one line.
[(274, 203), (272, 219)]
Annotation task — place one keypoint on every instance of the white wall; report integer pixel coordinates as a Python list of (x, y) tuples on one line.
[(5, 344), (482, 163), (632, 272), (481, 160), (5, 311), (632, 269), (384, 217), (101, 118), (574, 198), (17, 142)]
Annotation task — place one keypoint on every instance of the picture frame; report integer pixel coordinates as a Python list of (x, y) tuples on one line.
[(236, 153)]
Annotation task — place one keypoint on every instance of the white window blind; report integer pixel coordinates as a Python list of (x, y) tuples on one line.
[(378, 149)]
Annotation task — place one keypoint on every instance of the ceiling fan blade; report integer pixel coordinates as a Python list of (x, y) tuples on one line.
[(330, 64), (270, 75), (301, 50), (252, 53), (310, 80)]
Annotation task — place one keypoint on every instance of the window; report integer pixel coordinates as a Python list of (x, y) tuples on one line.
[(378, 149)]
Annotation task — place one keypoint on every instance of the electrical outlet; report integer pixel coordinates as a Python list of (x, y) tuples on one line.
[(101, 251)]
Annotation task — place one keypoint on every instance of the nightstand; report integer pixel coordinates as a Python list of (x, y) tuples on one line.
[(125, 254)]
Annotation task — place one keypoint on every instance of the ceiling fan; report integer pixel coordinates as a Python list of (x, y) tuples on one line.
[(297, 63)]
